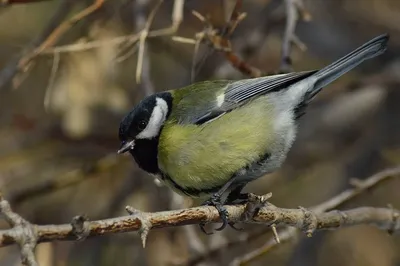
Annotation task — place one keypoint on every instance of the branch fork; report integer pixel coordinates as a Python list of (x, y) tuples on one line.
[(22, 232), (145, 223)]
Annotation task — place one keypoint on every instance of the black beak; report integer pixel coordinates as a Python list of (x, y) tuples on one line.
[(126, 146)]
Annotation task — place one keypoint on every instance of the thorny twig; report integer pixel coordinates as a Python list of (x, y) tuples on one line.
[(290, 233), (335, 202), (308, 221)]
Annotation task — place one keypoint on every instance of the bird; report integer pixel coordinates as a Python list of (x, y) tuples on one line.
[(211, 138)]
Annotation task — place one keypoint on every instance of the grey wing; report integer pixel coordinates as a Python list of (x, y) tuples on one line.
[(240, 92)]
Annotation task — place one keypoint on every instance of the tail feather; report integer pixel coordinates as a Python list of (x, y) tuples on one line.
[(333, 71)]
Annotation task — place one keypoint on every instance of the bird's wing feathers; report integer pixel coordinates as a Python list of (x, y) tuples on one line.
[(196, 108), (242, 91)]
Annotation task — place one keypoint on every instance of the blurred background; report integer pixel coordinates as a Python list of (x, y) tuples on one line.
[(60, 116)]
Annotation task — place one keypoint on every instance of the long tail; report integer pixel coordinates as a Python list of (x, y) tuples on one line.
[(333, 71)]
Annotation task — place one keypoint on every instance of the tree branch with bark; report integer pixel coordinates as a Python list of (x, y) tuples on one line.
[(27, 235)]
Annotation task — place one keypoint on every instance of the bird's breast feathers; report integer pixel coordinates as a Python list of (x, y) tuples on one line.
[(206, 156)]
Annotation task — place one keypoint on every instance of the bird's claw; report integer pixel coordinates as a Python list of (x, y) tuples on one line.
[(202, 228), (215, 201), (232, 225)]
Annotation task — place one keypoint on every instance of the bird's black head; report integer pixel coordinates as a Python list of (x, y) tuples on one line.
[(144, 121)]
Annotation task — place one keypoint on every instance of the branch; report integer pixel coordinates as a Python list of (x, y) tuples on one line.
[(219, 41), (335, 202), (295, 10), (289, 233), (23, 233), (8, 72), (71, 178), (308, 221), (14, 2), (47, 40), (305, 220), (177, 15)]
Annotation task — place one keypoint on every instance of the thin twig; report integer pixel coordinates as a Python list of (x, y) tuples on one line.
[(4, 3), (9, 71), (177, 18), (50, 40), (58, 32), (220, 42), (284, 236), (50, 86), (63, 27), (143, 33), (294, 11), (131, 38), (82, 47)]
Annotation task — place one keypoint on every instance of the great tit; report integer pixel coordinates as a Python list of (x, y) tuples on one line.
[(213, 137)]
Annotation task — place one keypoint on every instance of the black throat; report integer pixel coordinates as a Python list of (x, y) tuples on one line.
[(145, 154), (145, 151)]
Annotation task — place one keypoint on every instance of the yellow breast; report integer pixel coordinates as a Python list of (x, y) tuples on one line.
[(206, 156)]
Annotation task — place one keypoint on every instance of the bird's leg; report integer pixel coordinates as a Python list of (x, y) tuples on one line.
[(215, 200), (237, 197)]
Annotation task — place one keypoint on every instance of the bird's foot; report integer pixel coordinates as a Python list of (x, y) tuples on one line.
[(254, 204), (215, 201), (241, 198)]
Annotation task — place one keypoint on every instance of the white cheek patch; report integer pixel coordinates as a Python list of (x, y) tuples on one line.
[(156, 120)]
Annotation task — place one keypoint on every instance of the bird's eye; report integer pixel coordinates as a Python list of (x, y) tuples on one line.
[(142, 125)]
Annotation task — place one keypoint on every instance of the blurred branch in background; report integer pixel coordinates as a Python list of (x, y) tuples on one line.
[(308, 221), (295, 10), (14, 2), (47, 40), (72, 178), (218, 40)]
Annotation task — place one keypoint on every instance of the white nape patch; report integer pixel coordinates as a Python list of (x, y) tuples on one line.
[(157, 119), (220, 99)]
